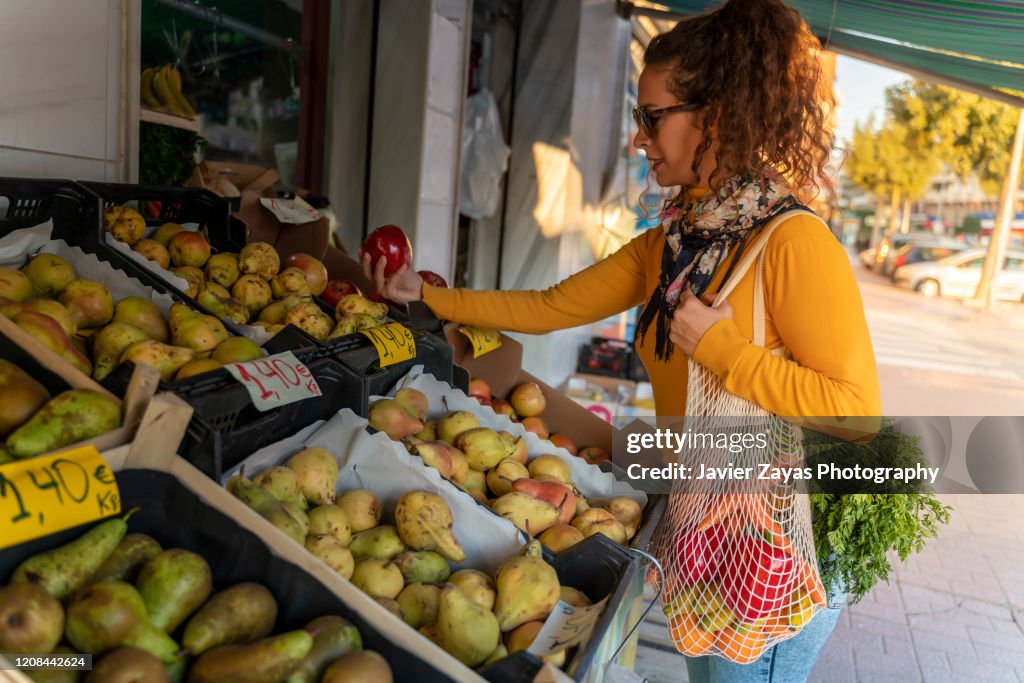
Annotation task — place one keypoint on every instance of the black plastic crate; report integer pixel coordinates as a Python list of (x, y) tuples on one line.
[(361, 360), (226, 428), (607, 357), (598, 567), (178, 518), (27, 202)]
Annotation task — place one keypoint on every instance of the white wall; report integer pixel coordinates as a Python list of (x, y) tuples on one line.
[(64, 98)]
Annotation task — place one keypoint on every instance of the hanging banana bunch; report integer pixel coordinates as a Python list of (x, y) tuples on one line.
[(160, 88)]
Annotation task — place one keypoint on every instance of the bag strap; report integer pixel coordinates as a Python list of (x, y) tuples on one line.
[(756, 254)]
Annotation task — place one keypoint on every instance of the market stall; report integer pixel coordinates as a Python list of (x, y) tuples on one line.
[(218, 424)]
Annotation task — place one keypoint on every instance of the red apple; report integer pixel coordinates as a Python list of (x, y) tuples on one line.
[(479, 389), (336, 289), (503, 407), (537, 426), (390, 243), (432, 278), (316, 273), (594, 455), (562, 441)]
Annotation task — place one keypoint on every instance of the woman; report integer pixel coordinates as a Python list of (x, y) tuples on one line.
[(731, 112)]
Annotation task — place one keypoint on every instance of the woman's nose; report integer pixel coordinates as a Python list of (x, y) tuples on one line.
[(640, 140)]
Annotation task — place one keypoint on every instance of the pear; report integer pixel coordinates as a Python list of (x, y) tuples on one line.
[(253, 292), (460, 466), (195, 278), (174, 584), (282, 483), (55, 310), (352, 304), (454, 423), (195, 367), (269, 660), (391, 417), (275, 312), (332, 521), (110, 614), (560, 537), (627, 511), (528, 589), (423, 566), (419, 603), (332, 553), (144, 315), (530, 514), (382, 543), (270, 508), (345, 326), (287, 521), (289, 281), (222, 269), (523, 636), (165, 232), (476, 585), (260, 259), (15, 285), (236, 350), (391, 606), (201, 333), (424, 522), (50, 334), (223, 305), (128, 557), (361, 507), (429, 431), (436, 455), (333, 637), (48, 273), (21, 396), (239, 614), (499, 479), (475, 483), (466, 630), (357, 667), (220, 291), (483, 447), (499, 653), (414, 401), (56, 675), (519, 451), (31, 620), (110, 343), (128, 665), (165, 359), (600, 521), (318, 474), (67, 568), (378, 578), (550, 465), (298, 514), (89, 302)]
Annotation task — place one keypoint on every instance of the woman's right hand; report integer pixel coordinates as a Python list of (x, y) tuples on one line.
[(402, 286)]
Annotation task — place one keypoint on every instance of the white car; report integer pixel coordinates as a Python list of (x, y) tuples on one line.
[(958, 276)]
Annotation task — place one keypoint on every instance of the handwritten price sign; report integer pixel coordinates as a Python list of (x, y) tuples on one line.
[(483, 341), (566, 626), (394, 343), (276, 380), (44, 495)]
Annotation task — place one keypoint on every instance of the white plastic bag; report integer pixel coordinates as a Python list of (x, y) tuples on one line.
[(484, 157)]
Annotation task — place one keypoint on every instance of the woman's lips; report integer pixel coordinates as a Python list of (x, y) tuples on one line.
[(654, 163)]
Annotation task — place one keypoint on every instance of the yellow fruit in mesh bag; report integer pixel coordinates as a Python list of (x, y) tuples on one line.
[(801, 609)]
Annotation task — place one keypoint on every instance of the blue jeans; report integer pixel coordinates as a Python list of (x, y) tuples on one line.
[(790, 661)]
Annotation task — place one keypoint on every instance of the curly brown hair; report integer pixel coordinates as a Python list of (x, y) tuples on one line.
[(753, 64)]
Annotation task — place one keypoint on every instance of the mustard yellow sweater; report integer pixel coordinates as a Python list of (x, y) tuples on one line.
[(813, 307)]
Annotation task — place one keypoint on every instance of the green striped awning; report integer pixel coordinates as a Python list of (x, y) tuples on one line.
[(977, 45)]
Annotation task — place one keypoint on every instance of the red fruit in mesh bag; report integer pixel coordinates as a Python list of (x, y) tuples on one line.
[(699, 553), (757, 578)]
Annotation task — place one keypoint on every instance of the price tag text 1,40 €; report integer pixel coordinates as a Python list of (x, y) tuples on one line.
[(43, 495), (276, 380), (394, 343), (483, 341)]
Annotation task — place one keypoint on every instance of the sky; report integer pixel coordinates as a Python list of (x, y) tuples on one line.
[(860, 87)]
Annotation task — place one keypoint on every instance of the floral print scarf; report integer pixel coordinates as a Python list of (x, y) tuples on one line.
[(699, 234)]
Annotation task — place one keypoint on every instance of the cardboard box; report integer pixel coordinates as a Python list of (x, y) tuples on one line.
[(243, 177), (613, 394), (263, 226), (503, 370)]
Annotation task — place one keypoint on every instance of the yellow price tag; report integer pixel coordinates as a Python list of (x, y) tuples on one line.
[(483, 341), (44, 495), (394, 343)]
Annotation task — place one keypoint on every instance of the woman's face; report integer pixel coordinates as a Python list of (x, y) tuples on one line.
[(671, 145)]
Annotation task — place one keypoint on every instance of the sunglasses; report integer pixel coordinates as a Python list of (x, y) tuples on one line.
[(646, 119)]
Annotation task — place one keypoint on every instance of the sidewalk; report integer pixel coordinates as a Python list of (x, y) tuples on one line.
[(954, 613)]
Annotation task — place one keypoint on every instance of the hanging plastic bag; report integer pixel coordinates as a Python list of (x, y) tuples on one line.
[(484, 157), (738, 554)]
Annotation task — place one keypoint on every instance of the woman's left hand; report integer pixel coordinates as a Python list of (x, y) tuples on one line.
[(693, 318)]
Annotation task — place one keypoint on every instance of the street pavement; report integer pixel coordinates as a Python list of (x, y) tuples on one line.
[(954, 612)]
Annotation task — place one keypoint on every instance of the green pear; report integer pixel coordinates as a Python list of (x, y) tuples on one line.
[(381, 543), (419, 603), (31, 620), (466, 630), (110, 343), (67, 568), (454, 423), (173, 585), (423, 566), (110, 614), (128, 665), (128, 558), (364, 665), (21, 396), (70, 417), (240, 614), (144, 315), (333, 637), (269, 660), (49, 274)]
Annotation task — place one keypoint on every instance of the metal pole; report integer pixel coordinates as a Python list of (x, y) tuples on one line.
[(1004, 219)]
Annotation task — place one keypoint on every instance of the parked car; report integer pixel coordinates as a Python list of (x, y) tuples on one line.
[(916, 251), (893, 242), (958, 276)]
